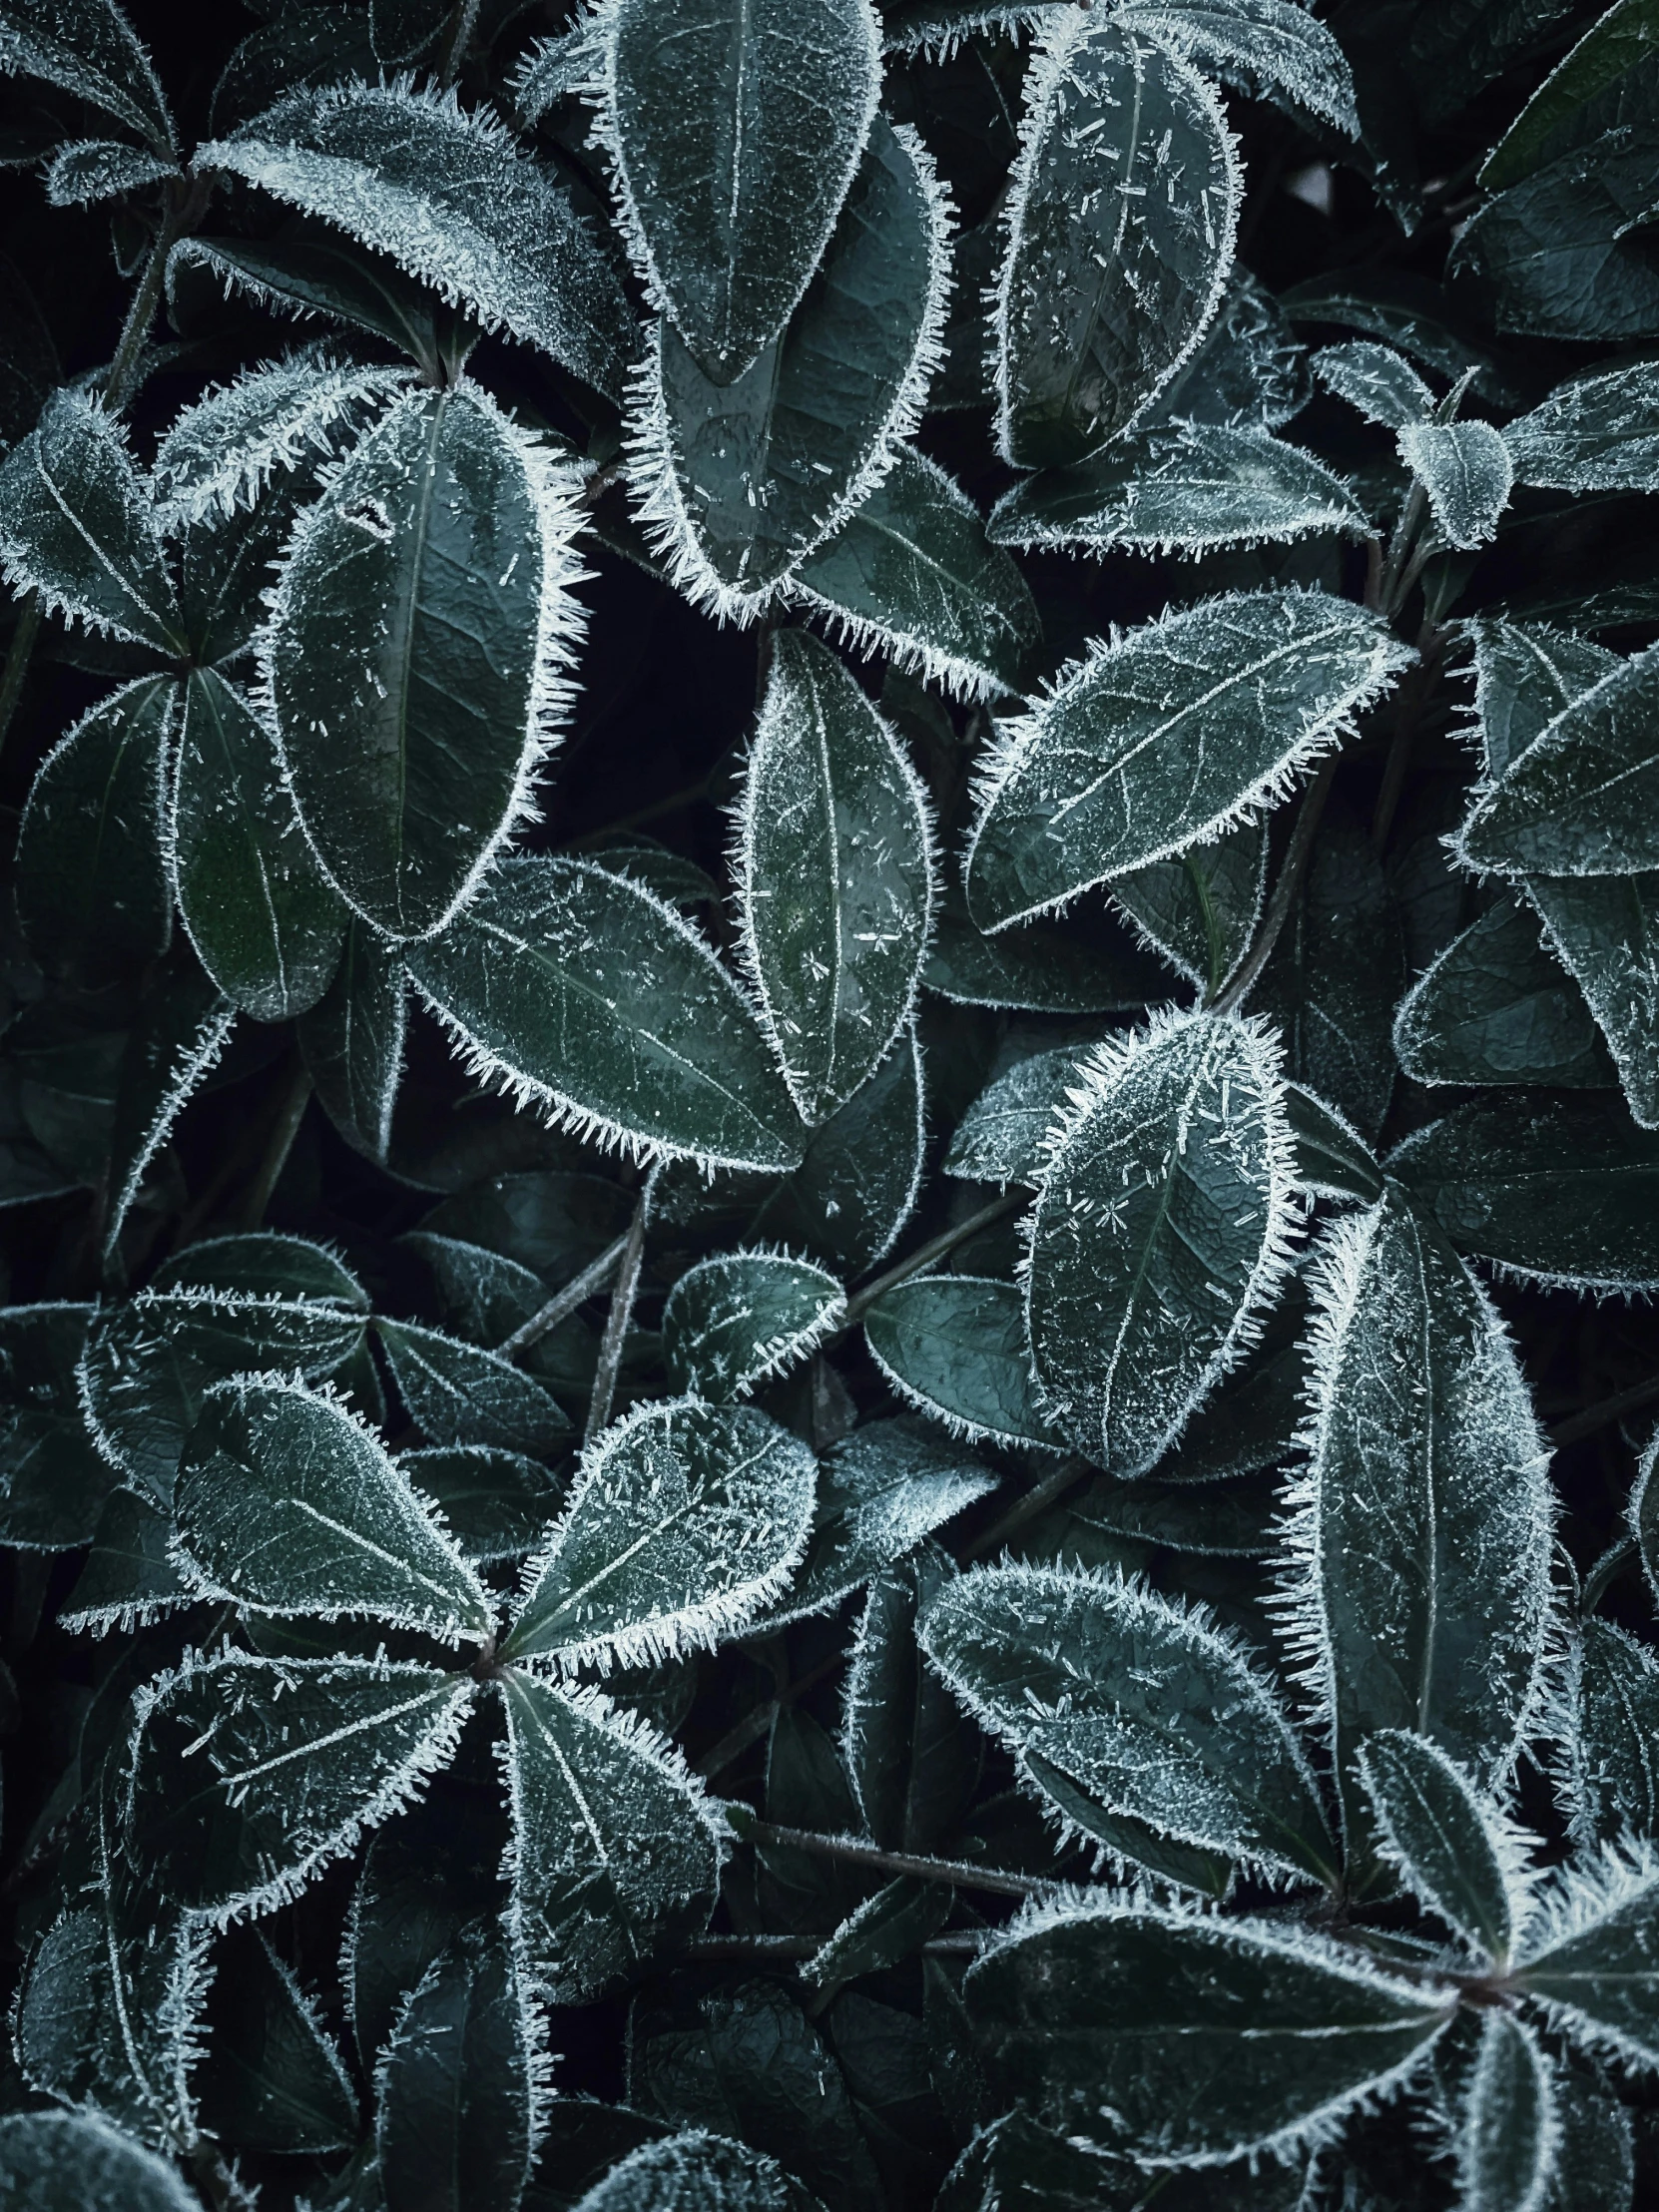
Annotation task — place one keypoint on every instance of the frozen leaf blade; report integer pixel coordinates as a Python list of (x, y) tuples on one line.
[(1377, 380), (1591, 1955), (685, 1519), (1510, 2133), (735, 1320), (1199, 913), (423, 619), (1166, 739), (1605, 931), (1465, 469), (735, 132), (88, 49), (77, 2163), (1497, 1006), (352, 1040), (834, 877), (460, 1393), (954, 1346), (1597, 434), (1161, 1231), (1120, 225), (287, 1504), (695, 2172), (1451, 1848), (1001, 1136), (1265, 43)]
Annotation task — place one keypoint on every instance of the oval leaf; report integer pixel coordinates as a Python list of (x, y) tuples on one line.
[(1506, 2147), (953, 1346), (1450, 1847), (459, 1394), (739, 1318), (1496, 1007)]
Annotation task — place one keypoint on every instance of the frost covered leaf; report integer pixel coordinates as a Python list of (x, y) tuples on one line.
[(1165, 739), (1583, 797), (1553, 1191), (447, 192), (1509, 2133), (92, 890), (739, 1318), (954, 1346), (588, 997), (87, 48), (1465, 469), (312, 271), (913, 1760), (1181, 489), (416, 653), (264, 922), (128, 1580), (1265, 41), (352, 1040), (1561, 254), (1615, 1791), (694, 2172), (1196, 2038), (1380, 382), (1000, 1137), (1525, 672), (460, 1393), (1039, 969), (53, 1482), (911, 574), (736, 482), (1597, 434), (858, 1177), (1497, 1006), (1152, 1711), (612, 1836), (287, 1504), (1332, 1159), (1121, 217), (76, 526), (1605, 931), (91, 170), (1161, 1231), (77, 2163), (1199, 911), (834, 877), (1590, 1955), (495, 1504), (178, 1031), (880, 1492), (223, 454), (274, 2080), (1608, 58), (149, 1364), (456, 2085), (1449, 1846), (398, 30), (262, 1263), (685, 1520), (735, 130), (1417, 1585), (251, 1773)]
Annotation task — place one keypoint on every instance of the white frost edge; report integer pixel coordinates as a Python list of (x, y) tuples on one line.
[(945, 40), (561, 624), (651, 465), (1016, 740), (1578, 1898), (1098, 1075), (699, 1626), (779, 721), (771, 1356), (1539, 2187), (1510, 1844), (957, 1424), (401, 1788), (1065, 33), (1168, 954), (195, 1061)]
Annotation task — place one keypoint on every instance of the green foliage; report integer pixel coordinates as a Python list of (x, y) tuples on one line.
[(829, 1106)]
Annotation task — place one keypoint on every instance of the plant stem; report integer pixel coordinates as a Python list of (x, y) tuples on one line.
[(1037, 1500), (755, 1725), (278, 1145), (962, 1874), (1237, 989), (576, 1292), (620, 1315), (1389, 592), (1605, 1412), (934, 1249), (17, 659), (184, 208), (1615, 1558)]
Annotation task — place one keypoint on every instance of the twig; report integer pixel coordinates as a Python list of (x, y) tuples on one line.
[(962, 1874), (621, 1314), (185, 205), (576, 1292), (1234, 990), (278, 1147), (1038, 1499), (934, 1249), (1605, 1412)]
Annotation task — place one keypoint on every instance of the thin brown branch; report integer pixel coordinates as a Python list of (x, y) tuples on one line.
[(936, 1248), (962, 1874), (563, 1304), (621, 1314)]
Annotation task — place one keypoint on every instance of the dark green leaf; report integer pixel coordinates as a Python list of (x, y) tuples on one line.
[(1148, 1708), (1496, 1007), (1615, 47), (1199, 913), (1603, 930), (1595, 2161), (1120, 226), (1038, 969), (274, 2080), (1161, 1231), (102, 169), (1615, 1788), (1590, 1954), (459, 1394), (1380, 382), (129, 1577), (735, 132), (1332, 1160), (1562, 253), (735, 481), (1451, 1848), (352, 1040), (1223, 1520), (180, 1029), (1265, 43), (448, 194), (687, 2173), (1506, 2145), (613, 1837), (1000, 1137), (913, 1761), (1465, 469), (53, 1482), (496, 1504), (456, 2085), (953, 1346), (76, 2162), (87, 48), (912, 575), (1598, 433), (1191, 2037), (834, 877), (1165, 739), (285, 1504), (592, 999), (858, 1180), (401, 29), (685, 1520), (422, 620), (314, 271), (739, 1319)]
